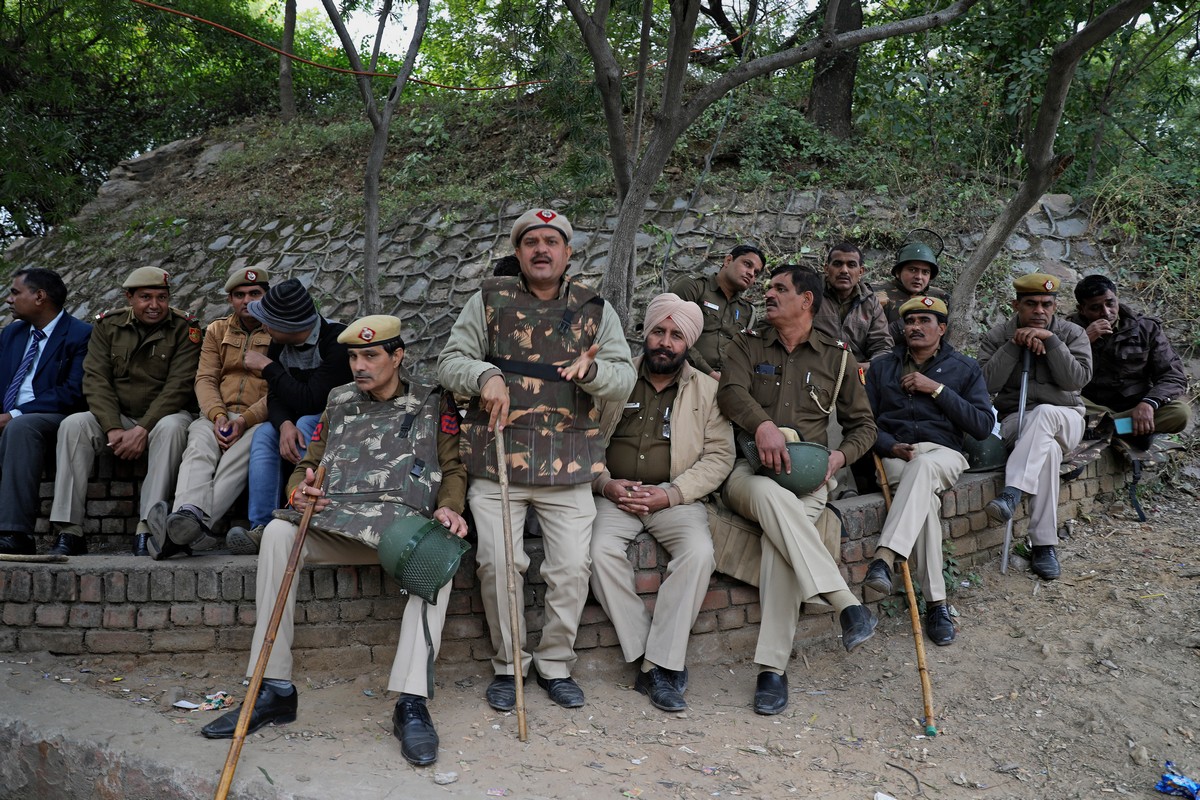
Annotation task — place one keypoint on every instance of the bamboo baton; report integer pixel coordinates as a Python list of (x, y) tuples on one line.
[(510, 563), (260, 667), (914, 616)]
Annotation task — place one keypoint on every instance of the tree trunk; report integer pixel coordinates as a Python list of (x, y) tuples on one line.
[(1044, 165), (287, 95), (831, 97)]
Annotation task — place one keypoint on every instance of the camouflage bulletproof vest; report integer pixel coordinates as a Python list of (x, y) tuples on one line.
[(381, 460), (553, 434)]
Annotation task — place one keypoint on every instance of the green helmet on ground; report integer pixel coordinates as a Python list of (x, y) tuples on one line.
[(420, 554), (984, 455), (916, 251)]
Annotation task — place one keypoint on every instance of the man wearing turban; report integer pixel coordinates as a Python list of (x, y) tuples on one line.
[(669, 446)]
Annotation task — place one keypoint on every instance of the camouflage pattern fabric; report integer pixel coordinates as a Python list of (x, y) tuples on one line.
[(553, 434), (376, 471)]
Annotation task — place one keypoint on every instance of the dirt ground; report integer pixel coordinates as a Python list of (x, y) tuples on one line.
[(1065, 689)]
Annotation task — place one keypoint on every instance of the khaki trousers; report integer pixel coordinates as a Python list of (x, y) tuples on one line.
[(1033, 464), (80, 438), (410, 667), (796, 567), (565, 514), (1171, 417), (915, 519), (209, 478), (662, 637)]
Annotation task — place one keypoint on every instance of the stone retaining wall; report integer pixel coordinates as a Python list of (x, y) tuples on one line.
[(201, 610)]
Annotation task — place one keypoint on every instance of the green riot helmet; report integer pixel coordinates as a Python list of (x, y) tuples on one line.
[(916, 251), (984, 455), (420, 554), (810, 462)]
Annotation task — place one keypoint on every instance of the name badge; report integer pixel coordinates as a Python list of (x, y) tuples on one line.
[(766, 369), (713, 306), (632, 406)]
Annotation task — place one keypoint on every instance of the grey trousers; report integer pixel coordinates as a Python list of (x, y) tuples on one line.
[(22, 448)]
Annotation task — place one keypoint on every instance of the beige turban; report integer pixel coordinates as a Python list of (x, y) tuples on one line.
[(686, 315)]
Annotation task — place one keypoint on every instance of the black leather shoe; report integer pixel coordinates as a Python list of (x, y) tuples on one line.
[(413, 727), (69, 544), (502, 693), (678, 678), (564, 691), (770, 694), (1044, 562), (185, 528), (879, 577), (269, 707), (162, 549), (663, 695), (17, 544), (1001, 509), (140, 544), (938, 625), (858, 625)]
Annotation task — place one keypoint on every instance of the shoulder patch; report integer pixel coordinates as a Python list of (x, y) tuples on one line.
[(194, 334), (450, 425)]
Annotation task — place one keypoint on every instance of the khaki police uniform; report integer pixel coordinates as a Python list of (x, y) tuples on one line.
[(552, 442), (762, 382), (679, 440), (132, 375), (723, 318)]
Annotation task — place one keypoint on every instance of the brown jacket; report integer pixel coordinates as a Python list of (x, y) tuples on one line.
[(223, 384), (861, 324)]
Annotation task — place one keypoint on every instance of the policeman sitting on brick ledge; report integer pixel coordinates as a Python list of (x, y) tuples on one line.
[(924, 394), (137, 378), (670, 447), (233, 403), (392, 446)]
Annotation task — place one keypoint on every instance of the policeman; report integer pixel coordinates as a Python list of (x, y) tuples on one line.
[(137, 379), (915, 268), (537, 350), (1060, 359), (788, 374), (722, 300), (670, 447), (233, 403), (849, 311), (924, 394), (392, 446)]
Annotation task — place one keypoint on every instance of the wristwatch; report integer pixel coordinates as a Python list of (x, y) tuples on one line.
[(934, 394)]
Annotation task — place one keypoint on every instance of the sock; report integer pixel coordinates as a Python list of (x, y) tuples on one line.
[(887, 556), (281, 687), (934, 603), (841, 599), (195, 511), (647, 665)]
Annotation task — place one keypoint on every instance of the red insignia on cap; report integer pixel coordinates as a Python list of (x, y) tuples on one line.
[(927, 302), (251, 276), (1049, 285), (165, 276), (366, 334), (545, 215)]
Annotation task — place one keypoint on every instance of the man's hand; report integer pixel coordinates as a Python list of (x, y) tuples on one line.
[(903, 451), (308, 492), (1100, 327), (128, 445), (228, 431), (255, 361), (916, 383), (636, 498), (772, 448), (493, 398), (5, 418), (578, 369), (837, 460), (452, 520), (291, 443), (1032, 339), (1143, 419)]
